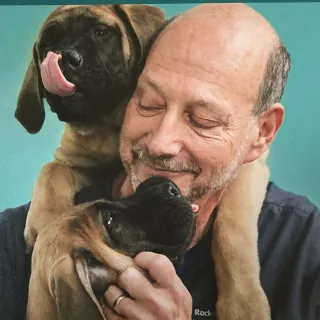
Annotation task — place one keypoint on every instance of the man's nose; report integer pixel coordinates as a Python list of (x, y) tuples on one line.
[(166, 137)]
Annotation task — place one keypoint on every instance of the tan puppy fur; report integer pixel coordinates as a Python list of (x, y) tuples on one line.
[(234, 245), (57, 290)]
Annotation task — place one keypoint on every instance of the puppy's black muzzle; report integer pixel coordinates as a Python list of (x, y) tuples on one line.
[(71, 59), (161, 186), (97, 68), (155, 218), (169, 189), (74, 67)]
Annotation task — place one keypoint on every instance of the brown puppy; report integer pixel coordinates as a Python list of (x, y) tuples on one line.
[(93, 115), (97, 240), (101, 50)]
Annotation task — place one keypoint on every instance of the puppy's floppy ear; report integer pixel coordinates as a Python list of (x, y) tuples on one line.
[(145, 20), (30, 108), (87, 272), (106, 205)]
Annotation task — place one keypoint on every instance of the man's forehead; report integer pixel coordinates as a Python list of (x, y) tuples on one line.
[(221, 79), (236, 48), (208, 40), (222, 54)]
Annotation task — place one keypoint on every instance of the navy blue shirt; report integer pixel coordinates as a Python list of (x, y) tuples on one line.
[(289, 250)]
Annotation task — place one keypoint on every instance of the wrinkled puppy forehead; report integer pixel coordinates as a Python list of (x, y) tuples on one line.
[(95, 14), (101, 14)]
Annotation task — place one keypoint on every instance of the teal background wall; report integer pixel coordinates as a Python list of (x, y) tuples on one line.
[(295, 156)]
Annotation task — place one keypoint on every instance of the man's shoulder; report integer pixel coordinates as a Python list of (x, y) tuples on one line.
[(13, 218), (289, 252), (12, 224), (287, 213), (14, 263), (288, 201), (15, 212)]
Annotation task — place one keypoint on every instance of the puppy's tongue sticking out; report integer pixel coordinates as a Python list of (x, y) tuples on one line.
[(195, 208), (52, 77)]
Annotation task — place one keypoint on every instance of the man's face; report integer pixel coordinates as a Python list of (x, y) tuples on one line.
[(190, 117)]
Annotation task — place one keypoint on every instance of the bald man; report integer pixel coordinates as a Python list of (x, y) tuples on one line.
[(207, 101)]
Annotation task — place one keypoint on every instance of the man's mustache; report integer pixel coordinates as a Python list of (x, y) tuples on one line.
[(163, 162)]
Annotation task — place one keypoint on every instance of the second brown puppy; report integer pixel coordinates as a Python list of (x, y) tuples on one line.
[(97, 240)]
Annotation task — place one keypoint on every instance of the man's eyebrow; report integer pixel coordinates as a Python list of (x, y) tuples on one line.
[(154, 86)]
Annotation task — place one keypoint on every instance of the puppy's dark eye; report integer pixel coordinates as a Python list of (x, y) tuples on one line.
[(109, 220), (45, 45), (101, 32), (52, 34)]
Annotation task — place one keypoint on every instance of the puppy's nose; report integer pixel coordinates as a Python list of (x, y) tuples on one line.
[(72, 58), (173, 190)]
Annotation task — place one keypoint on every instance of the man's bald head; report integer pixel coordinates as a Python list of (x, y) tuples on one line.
[(241, 32), (207, 75)]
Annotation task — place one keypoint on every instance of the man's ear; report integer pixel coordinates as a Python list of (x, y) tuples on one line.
[(269, 123)]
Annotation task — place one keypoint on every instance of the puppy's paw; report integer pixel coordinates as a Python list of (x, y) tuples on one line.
[(30, 237)]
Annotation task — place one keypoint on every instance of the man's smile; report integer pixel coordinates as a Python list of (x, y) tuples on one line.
[(160, 171)]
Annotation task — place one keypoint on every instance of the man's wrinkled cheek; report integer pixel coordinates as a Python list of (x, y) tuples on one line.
[(137, 126), (222, 146), (230, 139)]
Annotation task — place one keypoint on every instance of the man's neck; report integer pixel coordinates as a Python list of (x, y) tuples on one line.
[(206, 206), (122, 187)]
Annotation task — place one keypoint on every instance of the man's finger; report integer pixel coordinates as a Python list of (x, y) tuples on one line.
[(126, 309), (112, 294), (159, 267), (111, 315), (136, 284)]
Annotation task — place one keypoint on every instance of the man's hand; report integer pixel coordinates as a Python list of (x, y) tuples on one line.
[(165, 298)]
